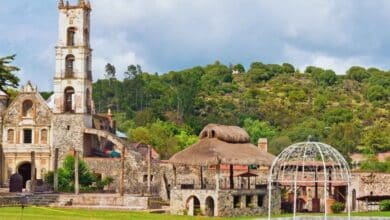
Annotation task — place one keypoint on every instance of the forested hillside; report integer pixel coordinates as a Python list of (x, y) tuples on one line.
[(350, 112)]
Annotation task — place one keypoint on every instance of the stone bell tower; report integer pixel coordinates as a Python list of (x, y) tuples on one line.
[(73, 77)]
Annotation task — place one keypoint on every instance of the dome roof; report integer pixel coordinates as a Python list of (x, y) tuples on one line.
[(310, 162)]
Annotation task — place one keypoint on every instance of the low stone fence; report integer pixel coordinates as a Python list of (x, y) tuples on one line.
[(103, 200), (10, 200), (87, 200), (328, 218)]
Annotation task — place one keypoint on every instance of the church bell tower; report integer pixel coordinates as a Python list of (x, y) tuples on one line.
[(73, 76), (73, 106)]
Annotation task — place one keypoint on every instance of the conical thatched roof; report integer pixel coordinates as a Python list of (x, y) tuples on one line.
[(230, 134), (226, 145)]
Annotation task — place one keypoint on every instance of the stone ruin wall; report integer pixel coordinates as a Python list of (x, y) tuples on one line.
[(366, 183), (180, 204), (134, 177), (68, 133)]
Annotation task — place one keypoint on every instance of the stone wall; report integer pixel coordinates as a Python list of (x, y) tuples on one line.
[(68, 132), (366, 183), (130, 201), (224, 201), (134, 177), (90, 200)]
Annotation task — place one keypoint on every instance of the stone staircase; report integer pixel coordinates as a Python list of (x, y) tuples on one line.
[(42, 199)]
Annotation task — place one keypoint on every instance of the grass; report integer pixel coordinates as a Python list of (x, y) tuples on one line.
[(45, 213)]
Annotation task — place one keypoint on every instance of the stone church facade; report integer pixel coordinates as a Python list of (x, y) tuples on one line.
[(67, 120)]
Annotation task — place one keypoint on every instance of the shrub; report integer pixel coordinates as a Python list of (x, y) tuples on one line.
[(337, 207), (384, 205), (66, 177)]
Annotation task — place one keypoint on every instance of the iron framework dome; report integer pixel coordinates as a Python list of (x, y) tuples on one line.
[(310, 164)]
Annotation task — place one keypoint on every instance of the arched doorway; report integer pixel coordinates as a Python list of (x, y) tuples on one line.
[(24, 170), (210, 206), (193, 206)]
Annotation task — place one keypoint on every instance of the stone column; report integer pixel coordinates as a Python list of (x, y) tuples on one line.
[(191, 208), (149, 168), (122, 174), (243, 201), (33, 173), (56, 170), (201, 177), (217, 169), (76, 172), (174, 177)]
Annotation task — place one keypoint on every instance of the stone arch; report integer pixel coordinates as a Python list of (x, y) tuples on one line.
[(70, 37), (119, 143), (69, 65), (86, 37), (69, 99), (27, 108), (210, 206), (24, 169), (88, 100), (193, 206)]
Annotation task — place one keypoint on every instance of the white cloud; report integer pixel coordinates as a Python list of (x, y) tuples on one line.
[(303, 58), (164, 35), (120, 61)]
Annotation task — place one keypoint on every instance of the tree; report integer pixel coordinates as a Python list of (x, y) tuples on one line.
[(338, 115), (309, 127), (357, 73), (257, 75), (131, 71), (7, 78), (345, 137), (258, 129), (288, 68), (376, 138), (277, 144), (239, 68), (377, 93), (110, 71), (66, 175)]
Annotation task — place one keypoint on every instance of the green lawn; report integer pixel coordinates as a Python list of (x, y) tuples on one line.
[(44, 213)]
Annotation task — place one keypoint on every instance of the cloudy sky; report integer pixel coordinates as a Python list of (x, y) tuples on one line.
[(163, 35)]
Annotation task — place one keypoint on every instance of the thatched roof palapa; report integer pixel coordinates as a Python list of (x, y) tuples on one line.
[(230, 134), (220, 144)]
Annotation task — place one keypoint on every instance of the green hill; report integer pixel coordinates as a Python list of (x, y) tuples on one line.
[(350, 112)]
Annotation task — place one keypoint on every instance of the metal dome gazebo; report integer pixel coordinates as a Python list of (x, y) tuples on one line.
[(311, 165)]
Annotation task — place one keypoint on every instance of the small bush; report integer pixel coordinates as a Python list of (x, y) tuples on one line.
[(337, 207), (384, 205)]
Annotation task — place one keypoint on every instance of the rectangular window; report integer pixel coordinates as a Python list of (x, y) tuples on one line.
[(27, 136), (236, 202)]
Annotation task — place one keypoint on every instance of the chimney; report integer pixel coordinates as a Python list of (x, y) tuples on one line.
[(262, 143)]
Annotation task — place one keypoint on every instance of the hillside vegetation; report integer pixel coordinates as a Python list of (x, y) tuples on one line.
[(350, 112)]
